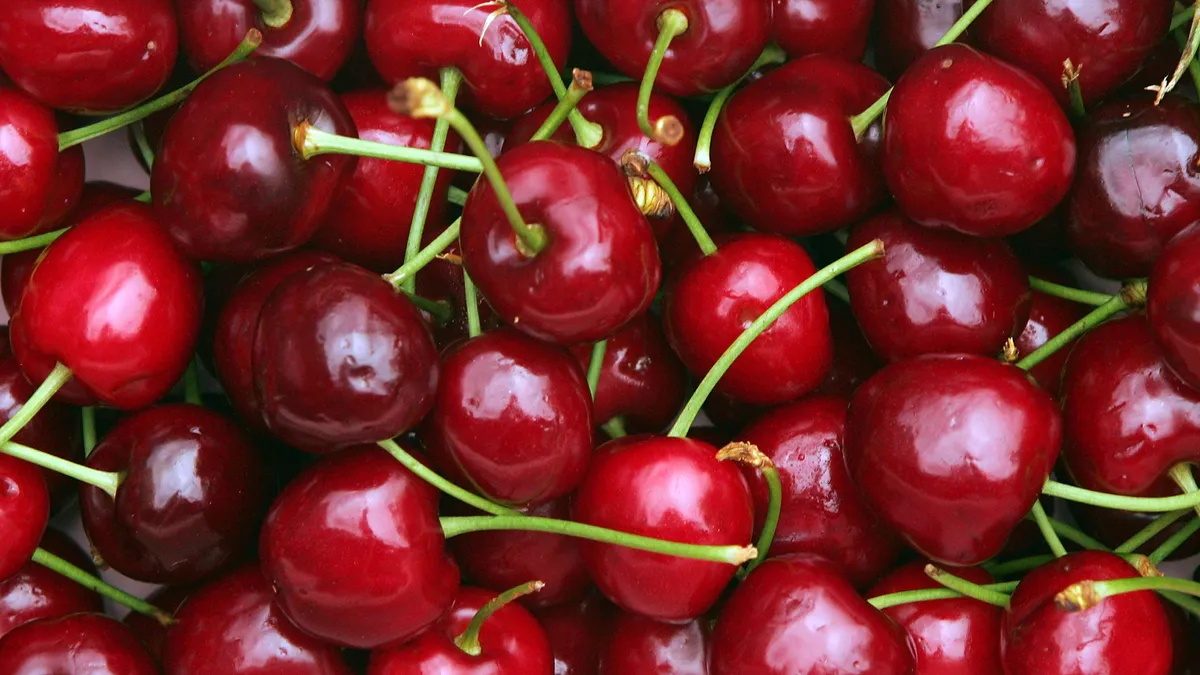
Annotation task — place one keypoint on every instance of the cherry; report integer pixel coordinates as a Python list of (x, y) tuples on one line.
[(975, 145), (36, 592), (55, 429), (1106, 42), (1170, 303), (1048, 316), (797, 614), (153, 634), (340, 358), (785, 157), (952, 451), (935, 291), (1126, 633), (821, 511), (228, 182), (78, 644), (40, 184), (853, 359), (803, 27), (641, 645), (672, 489), (317, 35), (230, 625), (714, 298), (578, 632), (1138, 183), (117, 304), (906, 29), (586, 213), (354, 552)]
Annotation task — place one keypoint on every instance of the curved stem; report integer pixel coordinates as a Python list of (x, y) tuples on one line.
[(595, 365), (1193, 66), (1046, 527), (440, 310), (105, 480), (1087, 594), (1175, 541), (869, 251), (966, 588), (1121, 502), (671, 23), (702, 160), (1152, 529), (311, 141), (88, 422), (471, 298), (928, 594), (76, 136), (191, 383), (275, 13), (1018, 566), (581, 84), (1116, 304), (56, 564), (636, 163), (429, 476), (468, 641), (1190, 45), (30, 243), (143, 143), (749, 455), (40, 397), (406, 275), (615, 428), (1067, 293)]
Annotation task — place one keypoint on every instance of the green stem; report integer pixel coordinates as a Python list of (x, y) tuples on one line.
[(56, 564), (1068, 293), (683, 423), (1190, 45), (1121, 502), (595, 365), (1128, 297), (107, 481), (471, 298), (88, 421), (581, 84), (671, 23), (76, 136), (40, 397), (703, 159), (1183, 17), (1017, 566), (1087, 594), (30, 243), (275, 13), (637, 163), (1074, 90), (1193, 65), (1175, 541), (311, 141), (143, 143), (966, 588), (1151, 530), (615, 428), (929, 594), (429, 476), (1046, 527), (191, 383), (144, 197), (406, 275), (468, 641), (750, 455), (438, 309), (456, 195), (837, 289), (1074, 534), (1181, 475)]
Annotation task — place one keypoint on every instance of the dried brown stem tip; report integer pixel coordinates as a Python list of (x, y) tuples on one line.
[(1070, 73), (299, 134), (745, 555), (668, 130), (582, 79), (1010, 354), (1077, 597), (1145, 566), (418, 97), (634, 163), (744, 453)]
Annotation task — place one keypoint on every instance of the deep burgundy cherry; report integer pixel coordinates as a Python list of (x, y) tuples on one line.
[(93, 56), (1112, 527), (78, 644), (1125, 633), (191, 501), (228, 182), (231, 625), (952, 451), (784, 155), (797, 614), (578, 633), (803, 27), (582, 202), (501, 75), (55, 429), (442, 280), (935, 292), (40, 184), (1107, 41), (975, 145), (1172, 302), (318, 36), (712, 300), (853, 359), (821, 511), (906, 29), (340, 358), (36, 592), (641, 645), (723, 39), (1048, 316), (708, 502), (117, 304), (1138, 183), (354, 552), (153, 634), (948, 637)]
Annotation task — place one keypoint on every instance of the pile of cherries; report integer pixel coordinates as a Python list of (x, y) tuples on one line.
[(464, 314)]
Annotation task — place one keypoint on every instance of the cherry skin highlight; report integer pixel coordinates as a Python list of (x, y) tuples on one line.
[(63, 644), (803, 27), (37, 592), (40, 184), (641, 645), (24, 512), (1171, 301)]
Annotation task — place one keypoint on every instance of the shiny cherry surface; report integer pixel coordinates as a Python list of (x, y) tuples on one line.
[(55, 429), (906, 29), (578, 632), (78, 644), (1173, 304), (24, 512), (36, 592), (1048, 316), (30, 165), (641, 645), (836, 27)]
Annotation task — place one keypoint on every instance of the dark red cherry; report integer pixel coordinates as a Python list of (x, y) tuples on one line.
[(230, 625), (582, 202), (501, 75), (705, 502), (797, 614), (40, 184), (1048, 316), (578, 633), (935, 292), (318, 35), (36, 592), (948, 637), (803, 27), (190, 503), (952, 451), (14, 276), (1172, 304), (78, 644), (1138, 183), (340, 358), (641, 645), (1125, 633), (821, 511), (153, 634), (91, 56), (722, 40), (853, 359), (975, 145), (1107, 42), (716, 297), (442, 281), (906, 29), (228, 182), (785, 158), (117, 304), (55, 429), (354, 552)]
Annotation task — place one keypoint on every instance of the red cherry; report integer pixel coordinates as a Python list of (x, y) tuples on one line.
[(74, 645), (641, 645), (803, 27), (578, 632), (975, 145), (1172, 301), (36, 592), (40, 184), (952, 451), (1048, 316), (55, 429), (797, 614), (153, 634), (906, 29)]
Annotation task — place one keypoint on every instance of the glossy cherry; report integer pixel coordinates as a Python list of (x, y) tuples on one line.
[(706, 502), (1048, 316), (975, 145), (78, 644), (713, 299), (797, 614), (935, 292), (40, 184), (153, 634), (582, 202), (952, 451), (578, 633), (906, 29), (228, 182), (354, 552), (803, 27), (91, 56), (117, 304), (1171, 304), (36, 592), (785, 158), (1126, 633), (55, 429), (641, 645), (501, 74)]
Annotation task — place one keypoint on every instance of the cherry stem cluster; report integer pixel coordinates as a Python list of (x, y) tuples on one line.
[(56, 564), (581, 84), (638, 164), (1120, 502), (1151, 530), (87, 416), (930, 594), (967, 588), (1084, 595), (406, 275)]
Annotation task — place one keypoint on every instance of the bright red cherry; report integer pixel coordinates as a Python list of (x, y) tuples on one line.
[(1172, 304), (803, 27), (40, 184), (78, 644), (24, 512), (55, 429), (975, 145), (36, 592), (578, 633), (641, 645), (906, 29)]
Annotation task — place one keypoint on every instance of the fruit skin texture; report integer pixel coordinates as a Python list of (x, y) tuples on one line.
[(975, 145), (37, 592), (1173, 303), (1048, 316), (38, 183), (66, 644), (578, 633), (641, 645), (835, 27), (952, 451), (906, 29), (24, 512)]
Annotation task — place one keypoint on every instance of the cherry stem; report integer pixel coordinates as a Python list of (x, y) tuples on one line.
[(749, 455), (406, 275), (275, 13), (1182, 17), (733, 554), (143, 143), (468, 641), (143, 198), (638, 164), (429, 476), (58, 565), (311, 141), (683, 423), (1152, 529), (40, 397), (1017, 566), (666, 130), (76, 136), (471, 298), (595, 365), (1087, 594), (1120, 502), (838, 290), (1068, 293), (1175, 541), (107, 481), (929, 594), (191, 383), (702, 160), (30, 243), (966, 588), (1193, 65), (456, 196), (440, 310), (863, 121), (1047, 529), (421, 98), (1133, 295), (88, 422), (581, 84), (1070, 80), (615, 428), (1190, 45), (1181, 475), (1074, 534)]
